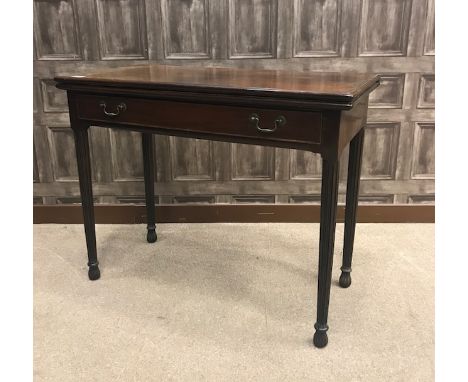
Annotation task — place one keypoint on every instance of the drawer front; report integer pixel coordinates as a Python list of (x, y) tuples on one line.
[(269, 124)]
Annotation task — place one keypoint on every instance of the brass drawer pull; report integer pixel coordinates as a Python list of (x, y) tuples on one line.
[(121, 107), (255, 121)]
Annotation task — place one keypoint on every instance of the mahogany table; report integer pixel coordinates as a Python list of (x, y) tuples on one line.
[(318, 112)]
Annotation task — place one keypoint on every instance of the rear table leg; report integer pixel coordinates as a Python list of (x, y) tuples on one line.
[(352, 193), (148, 164)]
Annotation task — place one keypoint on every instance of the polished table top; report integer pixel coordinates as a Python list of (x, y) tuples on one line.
[(314, 86)]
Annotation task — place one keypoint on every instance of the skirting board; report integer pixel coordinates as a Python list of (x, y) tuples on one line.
[(248, 213)]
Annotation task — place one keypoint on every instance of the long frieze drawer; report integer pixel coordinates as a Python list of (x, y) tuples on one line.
[(275, 125)]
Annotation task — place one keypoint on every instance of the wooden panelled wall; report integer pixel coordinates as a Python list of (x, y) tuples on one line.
[(394, 38)]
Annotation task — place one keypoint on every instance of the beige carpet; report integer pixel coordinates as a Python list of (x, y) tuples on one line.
[(231, 302)]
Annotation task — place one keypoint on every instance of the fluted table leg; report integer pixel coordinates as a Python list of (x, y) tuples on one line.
[(327, 238), (148, 164), (352, 194), (84, 172)]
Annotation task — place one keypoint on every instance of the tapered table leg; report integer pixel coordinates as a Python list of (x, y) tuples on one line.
[(84, 173), (327, 239), (352, 194), (148, 164)]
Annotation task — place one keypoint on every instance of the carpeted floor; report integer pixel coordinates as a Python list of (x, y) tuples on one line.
[(231, 302)]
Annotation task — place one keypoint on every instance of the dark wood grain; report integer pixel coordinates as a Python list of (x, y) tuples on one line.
[(213, 120), (326, 87)]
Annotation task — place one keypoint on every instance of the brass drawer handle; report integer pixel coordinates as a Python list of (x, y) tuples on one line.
[(255, 121), (121, 107)]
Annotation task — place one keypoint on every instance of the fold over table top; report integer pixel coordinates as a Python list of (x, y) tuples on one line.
[(338, 88)]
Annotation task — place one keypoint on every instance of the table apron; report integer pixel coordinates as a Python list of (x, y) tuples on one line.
[(268, 127)]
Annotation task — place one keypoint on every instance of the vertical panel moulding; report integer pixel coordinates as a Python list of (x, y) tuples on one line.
[(53, 100), (389, 95), (384, 27), (426, 92), (217, 28), (282, 171), (350, 12), (122, 29), (56, 30), (100, 147), (62, 154), (126, 156), (380, 151), (423, 161), (163, 158), (253, 162), (317, 26), (285, 28), (417, 28), (252, 28), (429, 36), (43, 159), (222, 160), (35, 170), (305, 165), (88, 29), (191, 159), (155, 34), (403, 166), (186, 29), (37, 99)]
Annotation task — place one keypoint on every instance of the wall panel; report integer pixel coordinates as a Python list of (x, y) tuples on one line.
[(249, 162), (185, 25), (126, 156), (390, 92), (384, 27), (62, 153), (317, 28), (53, 99), (122, 29), (380, 151), (426, 95), (429, 36), (305, 165), (393, 38), (423, 165), (56, 30), (192, 159), (252, 28)]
